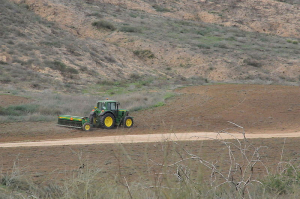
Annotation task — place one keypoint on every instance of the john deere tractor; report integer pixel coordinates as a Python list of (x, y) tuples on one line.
[(105, 115)]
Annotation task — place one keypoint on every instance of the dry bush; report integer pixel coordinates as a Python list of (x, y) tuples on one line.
[(241, 173), (177, 173), (104, 24)]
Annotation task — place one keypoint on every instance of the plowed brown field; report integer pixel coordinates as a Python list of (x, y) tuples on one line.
[(260, 109), (257, 108)]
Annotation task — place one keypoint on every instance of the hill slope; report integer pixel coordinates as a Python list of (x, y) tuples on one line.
[(71, 44)]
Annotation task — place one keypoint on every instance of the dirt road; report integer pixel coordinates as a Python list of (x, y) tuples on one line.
[(146, 138)]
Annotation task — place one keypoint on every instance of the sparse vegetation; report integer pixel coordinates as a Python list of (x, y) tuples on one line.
[(203, 46), (104, 24), (203, 169), (46, 106), (289, 1), (19, 110), (90, 55), (252, 62), (57, 65), (144, 54), (159, 8), (130, 29)]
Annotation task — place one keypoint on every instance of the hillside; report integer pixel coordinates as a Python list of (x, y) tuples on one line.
[(69, 45)]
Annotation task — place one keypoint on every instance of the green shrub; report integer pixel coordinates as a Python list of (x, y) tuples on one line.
[(5, 79), (110, 59), (19, 110), (133, 15), (203, 32), (95, 14), (159, 104), (135, 76), (281, 184), (104, 25), (56, 44), (169, 95), (160, 9), (57, 65), (203, 46), (144, 54), (130, 29), (220, 45), (252, 62), (72, 70)]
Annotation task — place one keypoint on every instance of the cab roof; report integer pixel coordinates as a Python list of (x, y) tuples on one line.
[(107, 101)]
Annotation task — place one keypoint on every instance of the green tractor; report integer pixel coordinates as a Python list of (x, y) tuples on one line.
[(105, 115)]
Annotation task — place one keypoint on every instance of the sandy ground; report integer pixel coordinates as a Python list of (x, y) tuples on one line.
[(121, 139)]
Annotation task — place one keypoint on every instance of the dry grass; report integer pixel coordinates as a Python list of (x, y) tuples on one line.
[(238, 169), (47, 105)]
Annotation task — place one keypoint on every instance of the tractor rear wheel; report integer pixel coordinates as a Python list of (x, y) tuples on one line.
[(87, 127), (108, 121), (128, 122)]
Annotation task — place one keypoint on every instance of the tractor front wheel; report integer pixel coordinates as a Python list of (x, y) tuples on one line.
[(108, 121), (128, 122), (87, 127)]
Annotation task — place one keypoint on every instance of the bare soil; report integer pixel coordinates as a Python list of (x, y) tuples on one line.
[(134, 161), (259, 109), (256, 108)]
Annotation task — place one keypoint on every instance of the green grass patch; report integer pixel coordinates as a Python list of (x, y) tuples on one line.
[(159, 104), (282, 184), (211, 39), (169, 95), (19, 110), (203, 46), (130, 29)]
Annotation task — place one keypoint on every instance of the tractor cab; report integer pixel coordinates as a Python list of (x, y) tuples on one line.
[(108, 105)]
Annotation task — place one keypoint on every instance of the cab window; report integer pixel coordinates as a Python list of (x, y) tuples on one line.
[(100, 105), (111, 106)]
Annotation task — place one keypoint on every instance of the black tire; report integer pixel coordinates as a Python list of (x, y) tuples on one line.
[(108, 121), (87, 127), (128, 122), (92, 118)]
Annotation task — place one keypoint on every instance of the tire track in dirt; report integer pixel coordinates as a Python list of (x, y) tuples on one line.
[(146, 138)]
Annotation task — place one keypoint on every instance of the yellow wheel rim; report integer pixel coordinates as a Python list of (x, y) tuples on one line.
[(108, 121), (128, 122), (87, 127)]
